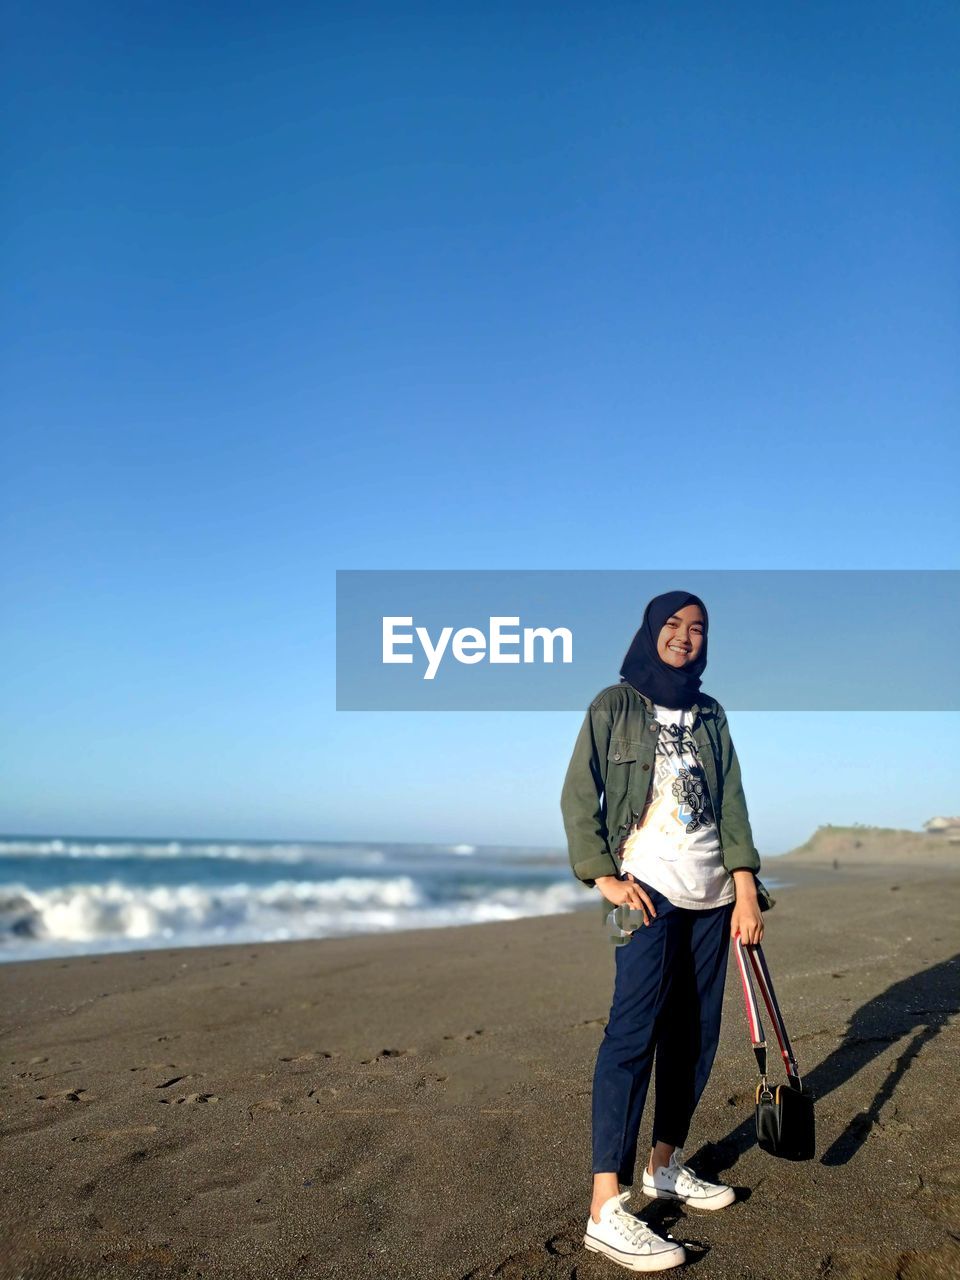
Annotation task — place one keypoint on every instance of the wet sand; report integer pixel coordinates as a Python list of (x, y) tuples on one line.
[(418, 1104)]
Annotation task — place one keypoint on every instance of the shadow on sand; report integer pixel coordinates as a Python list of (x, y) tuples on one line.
[(918, 1007)]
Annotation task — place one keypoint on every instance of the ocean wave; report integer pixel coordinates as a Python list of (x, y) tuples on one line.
[(284, 851), (70, 919), (291, 852)]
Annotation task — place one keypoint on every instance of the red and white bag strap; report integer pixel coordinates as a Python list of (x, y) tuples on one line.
[(759, 965)]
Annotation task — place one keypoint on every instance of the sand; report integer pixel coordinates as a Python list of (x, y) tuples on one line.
[(418, 1104)]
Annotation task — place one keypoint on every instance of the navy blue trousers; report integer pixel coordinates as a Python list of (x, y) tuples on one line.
[(667, 1001)]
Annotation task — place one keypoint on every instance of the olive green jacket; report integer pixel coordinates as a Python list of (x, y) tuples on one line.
[(608, 780)]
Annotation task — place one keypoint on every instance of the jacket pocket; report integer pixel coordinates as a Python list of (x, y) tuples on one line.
[(622, 751), (622, 756)]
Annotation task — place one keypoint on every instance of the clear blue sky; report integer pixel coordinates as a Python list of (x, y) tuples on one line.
[(294, 288)]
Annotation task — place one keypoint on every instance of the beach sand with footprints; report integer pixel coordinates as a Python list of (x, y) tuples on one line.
[(418, 1104)]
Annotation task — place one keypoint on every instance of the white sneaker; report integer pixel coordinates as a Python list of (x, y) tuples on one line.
[(625, 1238), (676, 1182)]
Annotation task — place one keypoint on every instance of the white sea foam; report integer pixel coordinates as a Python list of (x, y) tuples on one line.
[(173, 849), (68, 919)]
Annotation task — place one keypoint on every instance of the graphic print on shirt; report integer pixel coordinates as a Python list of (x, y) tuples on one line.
[(677, 760), (674, 844), (678, 818)]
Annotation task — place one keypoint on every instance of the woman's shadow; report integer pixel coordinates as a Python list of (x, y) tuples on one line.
[(918, 1006)]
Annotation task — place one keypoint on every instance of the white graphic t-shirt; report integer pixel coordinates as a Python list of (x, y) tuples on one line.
[(674, 845)]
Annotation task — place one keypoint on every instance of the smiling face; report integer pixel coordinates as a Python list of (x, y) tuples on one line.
[(681, 636)]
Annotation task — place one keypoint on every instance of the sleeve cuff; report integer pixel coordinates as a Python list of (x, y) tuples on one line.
[(601, 865), (741, 859)]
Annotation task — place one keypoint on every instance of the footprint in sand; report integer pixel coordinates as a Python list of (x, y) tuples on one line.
[(267, 1104), (166, 1084), (309, 1056), (238, 1178), (386, 1053), (66, 1095), (324, 1094), (189, 1097), (531, 1261), (428, 1081), (465, 1035), (29, 1062)]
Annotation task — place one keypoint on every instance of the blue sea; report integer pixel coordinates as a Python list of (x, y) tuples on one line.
[(66, 895), (61, 895)]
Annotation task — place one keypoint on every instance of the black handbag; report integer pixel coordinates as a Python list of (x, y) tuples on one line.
[(784, 1114), (764, 898)]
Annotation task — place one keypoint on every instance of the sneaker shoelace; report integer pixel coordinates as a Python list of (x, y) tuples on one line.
[(691, 1180), (634, 1229), (689, 1175)]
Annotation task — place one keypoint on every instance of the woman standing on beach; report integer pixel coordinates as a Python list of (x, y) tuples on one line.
[(656, 819)]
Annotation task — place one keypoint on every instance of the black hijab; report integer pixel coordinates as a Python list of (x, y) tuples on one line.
[(644, 668)]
